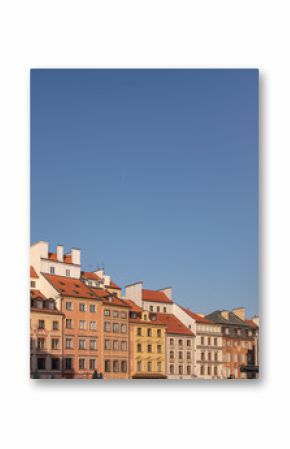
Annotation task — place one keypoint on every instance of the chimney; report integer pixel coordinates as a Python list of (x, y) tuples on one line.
[(256, 320), (134, 292), (240, 312), (100, 272), (225, 314), (167, 291), (59, 253), (76, 256)]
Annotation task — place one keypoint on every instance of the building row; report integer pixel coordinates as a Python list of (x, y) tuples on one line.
[(83, 326)]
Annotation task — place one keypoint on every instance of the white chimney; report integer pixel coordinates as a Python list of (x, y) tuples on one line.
[(76, 256), (59, 253), (225, 314), (134, 292), (240, 312), (167, 291)]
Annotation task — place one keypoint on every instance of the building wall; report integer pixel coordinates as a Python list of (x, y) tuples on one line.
[(180, 356), (209, 351), (141, 359), (157, 306), (47, 352)]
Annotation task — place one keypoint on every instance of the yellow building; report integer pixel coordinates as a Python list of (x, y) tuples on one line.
[(147, 344)]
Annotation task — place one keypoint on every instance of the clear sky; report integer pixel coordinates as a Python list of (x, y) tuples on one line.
[(153, 174)]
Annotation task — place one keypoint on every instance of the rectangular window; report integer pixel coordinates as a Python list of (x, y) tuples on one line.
[(68, 324), (139, 347), (107, 326), (92, 308), (82, 307), (69, 306), (41, 363), (139, 331), (115, 345), (67, 273), (149, 332), (40, 343), (158, 348), (208, 341), (55, 364), (93, 325), (188, 343), (115, 314), (139, 365), (158, 332), (82, 363), (107, 312), (151, 308), (171, 354), (171, 341), (82, 324), (123, 346), (124, 328), (180, 355), (55, 325), (107, 366), (116, 366), (202, 340), (115, 327), (51, 270), (171, 369), (107, 344), (149, 366), (82, 344), (124, 366), (215, 342), (32, 284), (93, 344), (124, 315), (180, 369), (215, 371), (159, 367), (188, 355), (188, 369), (149, 348), (54, 343), (41, 324), (180, 342), (164, 309), (209, 370), (92, 364), (68, 343), (68, 363)]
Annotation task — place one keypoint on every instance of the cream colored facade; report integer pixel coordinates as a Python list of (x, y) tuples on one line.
[(209, 353), (180, 356)]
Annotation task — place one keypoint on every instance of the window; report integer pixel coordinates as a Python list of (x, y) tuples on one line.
[(139, 331), (115, 327), (51, 270), (92, 364), (116, 366), (180, 369), (93, 325), (149, 366), (209, 370), (215, 356), (115, 345), (164, 309), (40, 343), (107, 312), (202, 370), (188, 355), (41, 363), (82, 344), (158, 309), (107, 366), (171, 369), (139, 365), (115, 313), (188, 343), (93, 344), (123, 328), (151, 308), (123, 346), (188, 369), (158, 332), (55, 325), (32, 284), (202, 340), (215, 342), (55, 364), (82, 324), (158, 348), (180, 356), (171, 341), (171, 354), (68, 306), (68, 363), (107, 344), (67, 273), (92, 308), (55, 343), (149, 348), (68, 343), (180, 342), (139, 347), (202, 356), (82, 363), (227, 331), (215, 371), (149, 332), (159, 367), (209, 356), (107, 326), (124, 366), (208, 341), (41, 324), (124, 315), (82, 307)]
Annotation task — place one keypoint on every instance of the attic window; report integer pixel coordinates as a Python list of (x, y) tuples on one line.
[(77, 285), (76, 292)]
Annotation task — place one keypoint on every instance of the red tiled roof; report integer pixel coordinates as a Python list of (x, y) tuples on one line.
[(116, 302), (36, 294), (173, 325), (113, 285), (149, 322), (33, 273), (66, 258), (90, 275), (251, 323), (155, 296), (133, 305), (48, 311), (198, 318), (73, 287)]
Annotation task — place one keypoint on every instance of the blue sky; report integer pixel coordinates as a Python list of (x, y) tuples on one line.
[(154, 175)]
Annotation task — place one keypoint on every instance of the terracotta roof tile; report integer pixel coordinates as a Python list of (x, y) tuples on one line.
[(173, 324), (36, 294), (198, 318), (113, 285), (155, 296), (133, 305), (73, 287), (33, 273), (90, 275), (66, 258)]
